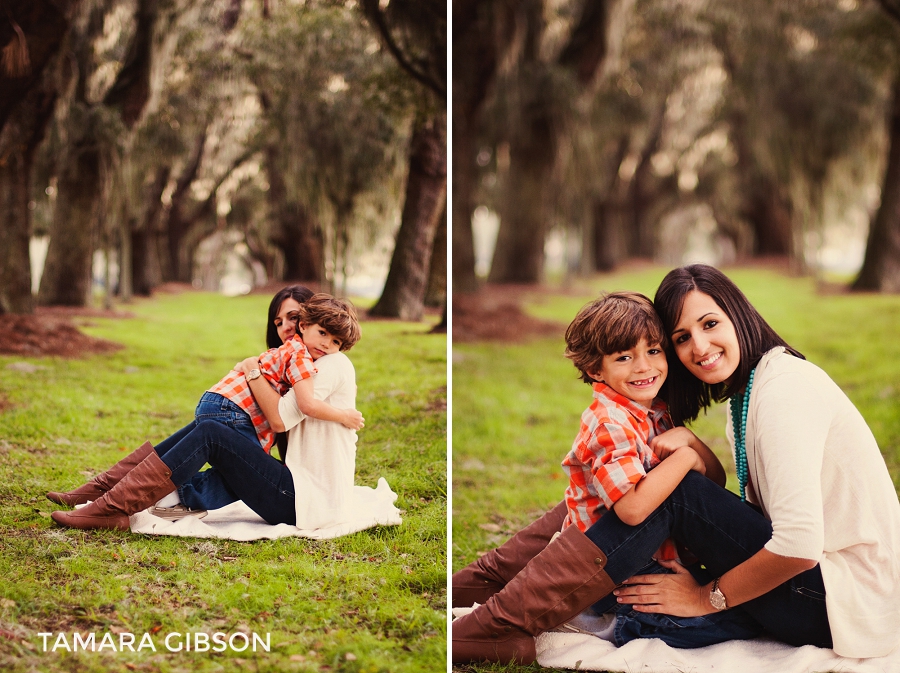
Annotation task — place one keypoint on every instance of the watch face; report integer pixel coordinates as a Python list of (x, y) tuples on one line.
[(717, 599)]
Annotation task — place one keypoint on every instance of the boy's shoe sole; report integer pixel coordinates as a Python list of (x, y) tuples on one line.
[(177, 512)]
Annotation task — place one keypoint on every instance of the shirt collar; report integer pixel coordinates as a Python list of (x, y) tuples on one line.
[(606, 394)]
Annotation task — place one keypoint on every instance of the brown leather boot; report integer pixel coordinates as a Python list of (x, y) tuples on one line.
[(560, 582), (102, 482), (481, 579), (138, 489)]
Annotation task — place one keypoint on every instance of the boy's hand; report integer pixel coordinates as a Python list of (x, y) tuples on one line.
[(665, 444), (245, 366), (353, 419), (697, 463)]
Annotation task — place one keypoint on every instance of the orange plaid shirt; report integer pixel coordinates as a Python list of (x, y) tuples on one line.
[(282, 367), (611, 453)]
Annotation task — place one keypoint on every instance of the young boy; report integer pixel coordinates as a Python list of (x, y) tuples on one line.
[(627, 456), (326, 325)]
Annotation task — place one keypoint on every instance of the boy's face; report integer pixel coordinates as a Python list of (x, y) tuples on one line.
[(319, 341), (637, 374)]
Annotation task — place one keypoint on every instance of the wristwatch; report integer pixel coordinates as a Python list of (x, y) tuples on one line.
[(254, 374), (716, 597)]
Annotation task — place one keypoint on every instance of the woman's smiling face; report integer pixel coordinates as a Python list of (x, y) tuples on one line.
[(705, 340)]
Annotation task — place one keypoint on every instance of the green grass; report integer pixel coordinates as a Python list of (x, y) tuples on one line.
[(516, 407), (372, 601)]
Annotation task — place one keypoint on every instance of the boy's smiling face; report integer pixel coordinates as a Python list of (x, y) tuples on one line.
[(319, 341), (637, 373)]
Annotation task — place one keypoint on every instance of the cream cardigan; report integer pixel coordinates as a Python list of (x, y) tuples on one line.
[(321, 455), (817, 472)]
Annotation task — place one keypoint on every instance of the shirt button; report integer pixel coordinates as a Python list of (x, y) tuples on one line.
[(598, 561)]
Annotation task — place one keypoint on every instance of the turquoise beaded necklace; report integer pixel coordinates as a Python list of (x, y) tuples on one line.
[(739, 405)]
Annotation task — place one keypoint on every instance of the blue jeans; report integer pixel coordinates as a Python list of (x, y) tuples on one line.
[(722, 532), (207, 489), (248, 472), (681, 632)]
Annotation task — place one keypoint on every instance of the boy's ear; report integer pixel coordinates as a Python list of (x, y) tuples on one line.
[(596, 375)]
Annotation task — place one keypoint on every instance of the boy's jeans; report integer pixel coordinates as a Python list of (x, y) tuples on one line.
[(722, 532), (682, 632), (249, 474), (208, 490)]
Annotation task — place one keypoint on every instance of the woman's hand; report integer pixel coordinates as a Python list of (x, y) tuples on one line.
[(678, 595), (353, 419)]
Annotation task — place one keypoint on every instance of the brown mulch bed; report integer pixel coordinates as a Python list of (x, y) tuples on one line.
[(51, 331), (494, 314)]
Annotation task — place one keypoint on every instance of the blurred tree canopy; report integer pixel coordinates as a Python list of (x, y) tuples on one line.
[(147, 137), (661, 129)]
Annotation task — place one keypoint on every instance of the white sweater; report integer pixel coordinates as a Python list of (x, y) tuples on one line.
[(816, 471), (321, 455)]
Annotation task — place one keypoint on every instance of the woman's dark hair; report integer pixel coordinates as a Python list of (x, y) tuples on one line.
[(687, 394), (298, 293)]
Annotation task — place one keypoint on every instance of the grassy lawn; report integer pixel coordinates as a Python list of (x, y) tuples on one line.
[(516, 407), (372, 601)]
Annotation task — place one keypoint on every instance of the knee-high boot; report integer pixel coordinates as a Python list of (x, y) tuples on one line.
[(484, 577), (140, 488), (560, 582), (104, 481)]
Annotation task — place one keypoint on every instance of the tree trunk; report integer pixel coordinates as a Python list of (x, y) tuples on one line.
[(27, 99), (465, 175), (296, 232), (146, 273), (764, 207), (771, 216), (441, 327), (602, 242), (609, 229), (176, 221), (15, 219), (44, 24), (19, 138), (481, 35), (73, 231), (642, 241), (526, 206), (536, 127), (85, 176), (436, 293), (304, 245), (880, 271), (426, 190)]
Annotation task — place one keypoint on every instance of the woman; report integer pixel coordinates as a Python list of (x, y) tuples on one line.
[(240, 470), (813, 555), (207, 490)]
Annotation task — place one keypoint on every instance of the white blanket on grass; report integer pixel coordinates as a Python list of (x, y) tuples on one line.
[(372, 507), (585, 652)]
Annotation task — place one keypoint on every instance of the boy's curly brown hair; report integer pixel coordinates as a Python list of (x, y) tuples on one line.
[(612, 323), (337, 316)]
